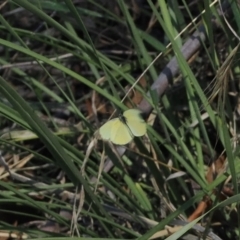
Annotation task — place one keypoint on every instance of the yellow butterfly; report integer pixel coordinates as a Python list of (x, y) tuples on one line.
[(122, 130)]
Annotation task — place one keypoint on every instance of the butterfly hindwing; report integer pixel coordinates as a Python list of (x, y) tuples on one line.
[(106, 129)]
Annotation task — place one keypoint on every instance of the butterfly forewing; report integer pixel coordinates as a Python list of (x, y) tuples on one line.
[(120, 133), (115, 131), (135, 122)]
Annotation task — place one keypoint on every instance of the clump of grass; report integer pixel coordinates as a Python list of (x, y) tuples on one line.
[(67, 67)]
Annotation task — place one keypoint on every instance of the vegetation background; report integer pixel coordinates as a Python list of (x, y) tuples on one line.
[(66, 66)]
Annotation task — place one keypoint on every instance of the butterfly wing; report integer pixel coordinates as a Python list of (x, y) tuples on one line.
[(105, 129), (116, 131), (121, 134), (135, 122)]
